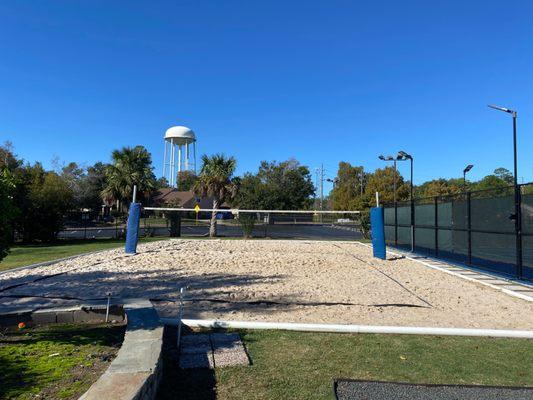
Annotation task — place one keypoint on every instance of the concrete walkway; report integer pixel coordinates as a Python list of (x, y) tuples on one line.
[(212, 350)]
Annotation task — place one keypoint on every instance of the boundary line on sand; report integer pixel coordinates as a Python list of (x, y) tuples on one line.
[(464, 268)]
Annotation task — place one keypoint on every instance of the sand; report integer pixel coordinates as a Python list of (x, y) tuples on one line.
[(278, 280)]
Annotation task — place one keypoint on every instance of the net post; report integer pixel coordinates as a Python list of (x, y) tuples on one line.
[(377, 226), (395, 223), (132, 233)]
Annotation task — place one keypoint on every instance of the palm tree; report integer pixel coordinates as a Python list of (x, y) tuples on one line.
[(216, 181), (131, 166)]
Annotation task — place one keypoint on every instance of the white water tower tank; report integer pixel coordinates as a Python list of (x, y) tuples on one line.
[(179, 138)]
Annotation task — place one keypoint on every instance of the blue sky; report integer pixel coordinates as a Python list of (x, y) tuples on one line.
[(323, 81)]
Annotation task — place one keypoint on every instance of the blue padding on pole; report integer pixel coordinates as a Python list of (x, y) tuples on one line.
[(132, 234), (377, 224)]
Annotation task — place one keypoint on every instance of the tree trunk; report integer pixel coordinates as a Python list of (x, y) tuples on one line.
[(213, 226)]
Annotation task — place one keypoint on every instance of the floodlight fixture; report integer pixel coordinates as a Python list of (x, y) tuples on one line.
[(504, 109), (468, 168)]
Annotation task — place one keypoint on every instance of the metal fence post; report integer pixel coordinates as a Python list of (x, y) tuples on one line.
[(395, 224), (437, 226), (469, 226), (518, 226), (413, 225)]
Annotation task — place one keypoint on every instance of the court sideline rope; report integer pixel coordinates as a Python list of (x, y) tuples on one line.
[(385, 274)]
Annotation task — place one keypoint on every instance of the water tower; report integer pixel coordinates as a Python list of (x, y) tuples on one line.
[(178, 138)]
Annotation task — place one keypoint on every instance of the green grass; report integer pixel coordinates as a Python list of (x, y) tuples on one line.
[(30, 254), (56, 362), (293, 365)]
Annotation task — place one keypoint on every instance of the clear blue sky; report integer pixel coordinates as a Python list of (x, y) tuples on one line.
[(321, 81)]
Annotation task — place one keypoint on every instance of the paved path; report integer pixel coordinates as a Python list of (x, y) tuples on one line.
[(365, 390)]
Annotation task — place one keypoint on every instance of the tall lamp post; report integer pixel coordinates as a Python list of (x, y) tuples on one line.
[(334, 181), (403, 156), (393, 159), (517, 216), (467, 169)]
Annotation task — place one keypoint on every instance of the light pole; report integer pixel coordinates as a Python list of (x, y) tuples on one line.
[(518, 213), (467, 169), (334, 181), (403, 156), (393, 159)]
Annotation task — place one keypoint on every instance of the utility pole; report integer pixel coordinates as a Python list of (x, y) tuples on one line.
[(361, 182), (322, 187)]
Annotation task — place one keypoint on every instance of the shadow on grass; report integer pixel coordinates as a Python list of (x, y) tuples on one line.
[(176, 383)]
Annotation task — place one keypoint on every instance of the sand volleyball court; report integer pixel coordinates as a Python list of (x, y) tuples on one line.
[(274, 280)]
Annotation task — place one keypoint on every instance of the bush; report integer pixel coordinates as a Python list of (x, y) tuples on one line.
[(364, 220), (247, 223)]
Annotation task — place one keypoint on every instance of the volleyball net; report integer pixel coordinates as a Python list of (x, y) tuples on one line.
[(275, 224)]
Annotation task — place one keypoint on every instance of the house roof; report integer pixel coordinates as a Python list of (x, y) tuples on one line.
[(183, 199)]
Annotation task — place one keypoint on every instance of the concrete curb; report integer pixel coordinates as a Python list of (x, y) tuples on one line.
[(136, 371), (88, 313)]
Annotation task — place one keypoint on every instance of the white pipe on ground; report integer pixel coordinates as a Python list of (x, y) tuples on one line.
[(335, 328)]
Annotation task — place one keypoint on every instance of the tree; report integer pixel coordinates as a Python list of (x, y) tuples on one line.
[(8, 160), (216, 181), (382, 181), (162, 183), (505, 175), (43, 198), (281, 186), (440, 187), (93, 184), (490, 182), (7, 210), (130, 166), (73, 175), (186, 180), (348, 191)]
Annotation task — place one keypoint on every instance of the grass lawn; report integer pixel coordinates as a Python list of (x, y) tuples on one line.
[(295, 365), (30, 254), (55, 362)]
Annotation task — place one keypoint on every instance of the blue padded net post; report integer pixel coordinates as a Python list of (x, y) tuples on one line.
[(132, 234), (377, 224)]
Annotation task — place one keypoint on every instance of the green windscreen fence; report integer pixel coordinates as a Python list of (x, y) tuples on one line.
[(527, 230), (476, 228)]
